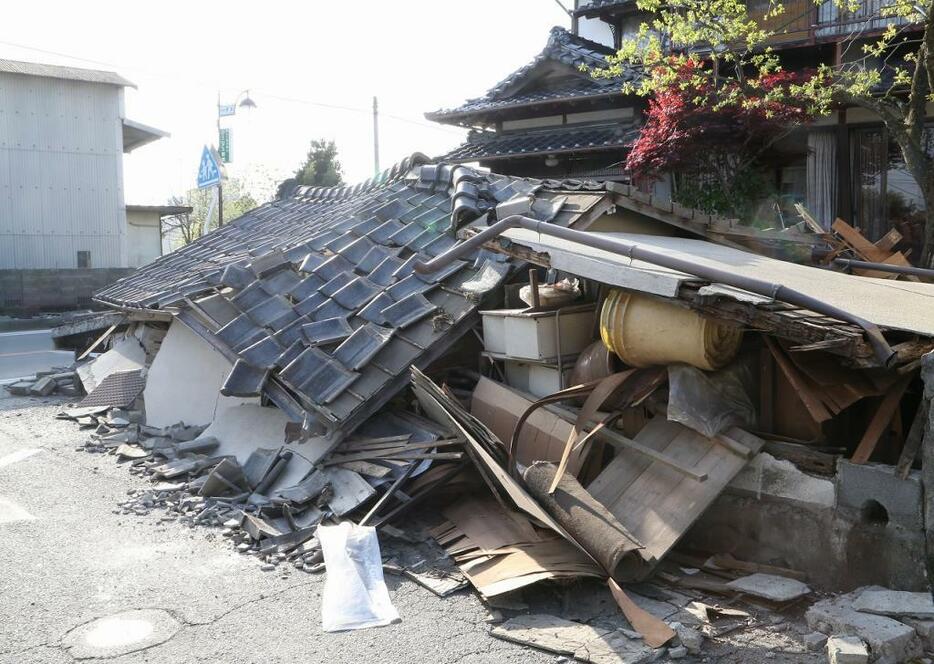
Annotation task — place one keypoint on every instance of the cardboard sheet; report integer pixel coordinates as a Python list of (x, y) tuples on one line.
[(543, 436)]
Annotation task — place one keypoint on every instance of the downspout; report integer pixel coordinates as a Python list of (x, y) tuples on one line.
[(779, 292)]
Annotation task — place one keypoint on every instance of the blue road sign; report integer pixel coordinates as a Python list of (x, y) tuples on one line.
[(209, 174)]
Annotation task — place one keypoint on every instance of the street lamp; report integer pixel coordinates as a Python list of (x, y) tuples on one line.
[(242, 100)]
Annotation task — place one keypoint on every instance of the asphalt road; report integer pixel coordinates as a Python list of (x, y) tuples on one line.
[(68, 559), (25, 352), (81, 581)]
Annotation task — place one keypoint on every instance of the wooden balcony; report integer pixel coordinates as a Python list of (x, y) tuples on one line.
[(804, 22)]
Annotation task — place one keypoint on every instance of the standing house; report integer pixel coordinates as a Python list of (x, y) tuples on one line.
[(64, 229), (550, 120)]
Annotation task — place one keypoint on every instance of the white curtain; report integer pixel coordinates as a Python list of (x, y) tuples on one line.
[(822, 176)]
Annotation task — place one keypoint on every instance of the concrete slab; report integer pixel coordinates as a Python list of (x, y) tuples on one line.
[(770, 586), (185, 379), (885, 636), (846, 650), (126, 355), (895, 603)]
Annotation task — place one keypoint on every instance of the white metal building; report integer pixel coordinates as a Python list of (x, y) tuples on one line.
[(63, 132)]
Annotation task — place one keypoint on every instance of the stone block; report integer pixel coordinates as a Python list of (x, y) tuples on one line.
[(886, 637), (846, 650), (862, 485)]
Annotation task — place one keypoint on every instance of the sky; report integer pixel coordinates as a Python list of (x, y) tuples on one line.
[(312, 68)]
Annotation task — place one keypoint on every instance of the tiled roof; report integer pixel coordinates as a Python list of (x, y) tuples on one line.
[(580, 89), (563, 47), (489, 145), (318, 289), (594, 7)]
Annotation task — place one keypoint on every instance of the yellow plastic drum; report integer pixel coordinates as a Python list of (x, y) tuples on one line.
[(644, 331)]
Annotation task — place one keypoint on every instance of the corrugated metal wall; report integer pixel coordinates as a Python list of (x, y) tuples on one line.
[(61, 173)]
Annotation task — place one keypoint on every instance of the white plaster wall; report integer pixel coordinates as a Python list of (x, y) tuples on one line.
[(185, 379)]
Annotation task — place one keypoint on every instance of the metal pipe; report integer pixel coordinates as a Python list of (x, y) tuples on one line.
[(884, 267), (779, 292)]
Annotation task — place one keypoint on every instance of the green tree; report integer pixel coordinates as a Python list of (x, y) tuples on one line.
[(321, 168), (183, 229), (719, 44)]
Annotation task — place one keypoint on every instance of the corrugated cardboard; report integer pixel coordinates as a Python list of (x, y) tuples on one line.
[(544, 434)]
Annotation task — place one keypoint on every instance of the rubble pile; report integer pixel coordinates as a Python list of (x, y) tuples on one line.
[(61, 381), (667, 420)]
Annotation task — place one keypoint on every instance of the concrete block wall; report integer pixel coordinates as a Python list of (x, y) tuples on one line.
[(870, 533), (33, 291)]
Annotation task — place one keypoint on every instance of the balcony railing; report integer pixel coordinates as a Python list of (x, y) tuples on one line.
[(805, 21)]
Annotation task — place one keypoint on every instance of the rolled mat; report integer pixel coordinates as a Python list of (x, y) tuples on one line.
[(588, 522)]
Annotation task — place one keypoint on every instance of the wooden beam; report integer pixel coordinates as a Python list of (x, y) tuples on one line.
[(880, 420), (811, 401), (97, 342), (913, 440)]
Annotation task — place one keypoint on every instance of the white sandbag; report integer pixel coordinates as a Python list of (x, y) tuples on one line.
[(355, 595)]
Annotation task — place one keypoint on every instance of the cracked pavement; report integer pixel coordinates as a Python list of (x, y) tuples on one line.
[(68, 559)]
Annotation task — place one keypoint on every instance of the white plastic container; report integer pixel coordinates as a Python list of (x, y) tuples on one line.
[(537, 336), (536, 379)]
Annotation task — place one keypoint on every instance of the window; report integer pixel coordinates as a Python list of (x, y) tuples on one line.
[(84, 259), (885, 195)]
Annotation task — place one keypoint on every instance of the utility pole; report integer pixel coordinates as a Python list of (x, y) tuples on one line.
[(220, 182), (375, 137)]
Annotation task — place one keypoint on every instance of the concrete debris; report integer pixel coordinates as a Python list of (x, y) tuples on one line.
[(815, 641), (58, 381), (771, 587), (690, 638), (564, 637), (885, 636), (895, 603), (846, 650)]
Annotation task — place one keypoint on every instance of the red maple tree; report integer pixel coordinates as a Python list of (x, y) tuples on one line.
[(695, 133)]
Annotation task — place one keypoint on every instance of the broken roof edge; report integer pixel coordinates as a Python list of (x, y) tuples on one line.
[(342, 192)]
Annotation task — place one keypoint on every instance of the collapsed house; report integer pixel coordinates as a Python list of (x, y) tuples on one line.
[(570, 378)]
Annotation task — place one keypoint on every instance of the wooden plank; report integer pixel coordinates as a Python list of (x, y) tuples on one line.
[(879, 422), (97, 342), (913, 440), (888, 241), (858, 242), (811, 402), (766, 389), (653, 501)]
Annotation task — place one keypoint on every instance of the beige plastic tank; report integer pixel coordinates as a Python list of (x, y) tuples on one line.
[(644, 331)]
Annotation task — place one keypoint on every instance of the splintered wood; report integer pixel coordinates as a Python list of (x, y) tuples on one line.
[(499, 550), (880, 252)]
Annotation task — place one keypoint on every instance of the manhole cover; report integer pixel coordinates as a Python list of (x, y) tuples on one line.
[(121, 633)]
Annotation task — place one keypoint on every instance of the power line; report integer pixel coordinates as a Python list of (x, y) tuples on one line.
[(209, 85)]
